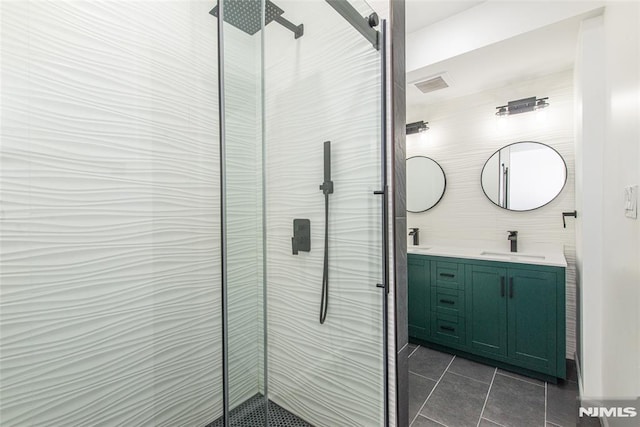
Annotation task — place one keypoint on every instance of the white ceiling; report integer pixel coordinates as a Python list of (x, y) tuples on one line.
[(422, 13), (530, 55)]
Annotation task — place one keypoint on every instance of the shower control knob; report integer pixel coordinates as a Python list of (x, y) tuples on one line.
[(373, 20)]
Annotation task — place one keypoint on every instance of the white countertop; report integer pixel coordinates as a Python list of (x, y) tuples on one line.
[(548, 256)]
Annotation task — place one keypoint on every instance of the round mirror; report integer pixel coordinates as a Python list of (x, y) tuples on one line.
[(524, 176), (425, 183)]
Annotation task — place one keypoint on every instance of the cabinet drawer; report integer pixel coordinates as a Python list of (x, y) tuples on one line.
[(419, 296), (447, 301), (447, 329), (449, 275)]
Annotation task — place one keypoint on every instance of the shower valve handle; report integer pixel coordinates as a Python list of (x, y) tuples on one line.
[(327, 187)]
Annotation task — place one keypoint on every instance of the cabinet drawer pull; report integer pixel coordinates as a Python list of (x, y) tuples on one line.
[(447, 301), (510, 287), (447, 328), (447, 275), (502, 286)]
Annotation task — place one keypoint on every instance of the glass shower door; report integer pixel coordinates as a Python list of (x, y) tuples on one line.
[(324, 87), (241, 163), (305, 81)]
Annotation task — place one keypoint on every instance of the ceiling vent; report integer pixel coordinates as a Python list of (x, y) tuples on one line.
[(431, 84)]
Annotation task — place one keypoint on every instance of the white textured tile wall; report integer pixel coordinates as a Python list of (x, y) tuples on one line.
[(324, 86), (110, 304), (464, 133)]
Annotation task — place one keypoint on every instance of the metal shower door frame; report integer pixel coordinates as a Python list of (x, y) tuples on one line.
[(223, 217)]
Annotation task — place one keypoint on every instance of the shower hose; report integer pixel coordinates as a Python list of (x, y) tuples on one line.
[(327, 188), (324, 301)]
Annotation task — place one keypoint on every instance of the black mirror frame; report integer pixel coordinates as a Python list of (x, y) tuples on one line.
[(444, 189), (564, 184)]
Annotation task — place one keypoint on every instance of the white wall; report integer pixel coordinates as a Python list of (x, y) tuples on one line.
[(464, 133), (109, 308), (621, 285), (609, 242), (491, 181), (590, 127), (487, 23)]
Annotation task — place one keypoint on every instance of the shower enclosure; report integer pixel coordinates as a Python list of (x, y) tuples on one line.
[(193, 214)]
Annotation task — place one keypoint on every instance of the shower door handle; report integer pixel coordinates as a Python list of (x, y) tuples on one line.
[(385, 237)]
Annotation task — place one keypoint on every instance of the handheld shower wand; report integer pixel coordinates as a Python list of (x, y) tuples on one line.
[(327, 188)]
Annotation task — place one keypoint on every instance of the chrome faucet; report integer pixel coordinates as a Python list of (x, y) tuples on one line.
[(416, 237), (513, 238)]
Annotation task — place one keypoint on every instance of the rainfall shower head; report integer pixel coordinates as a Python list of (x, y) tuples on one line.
[(246, 15)]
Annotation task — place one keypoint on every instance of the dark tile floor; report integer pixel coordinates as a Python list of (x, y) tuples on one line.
[(447, 390)]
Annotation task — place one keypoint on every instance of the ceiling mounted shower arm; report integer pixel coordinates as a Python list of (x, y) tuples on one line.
[(298, 30), (363, 24)]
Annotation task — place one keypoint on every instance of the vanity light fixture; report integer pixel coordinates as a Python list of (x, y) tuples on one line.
[(541, 103), (522, 106), (416, 127)]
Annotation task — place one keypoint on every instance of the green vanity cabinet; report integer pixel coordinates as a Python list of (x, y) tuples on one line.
[(510, 313)]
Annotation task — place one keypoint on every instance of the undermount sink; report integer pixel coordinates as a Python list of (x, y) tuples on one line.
[(512, 255), (537, 255)]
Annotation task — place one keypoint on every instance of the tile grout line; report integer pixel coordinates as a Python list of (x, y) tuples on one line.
[(486, 398), (494, 422), (520, 379), (427, 418), (433, 389), (546, 399), (469, 378), (414, 350), (422, 376)]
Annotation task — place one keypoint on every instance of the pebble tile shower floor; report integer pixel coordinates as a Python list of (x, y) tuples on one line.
[(251, 414), (447, 390)]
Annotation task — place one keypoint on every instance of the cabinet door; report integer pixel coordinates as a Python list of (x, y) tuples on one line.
[(532, 319), (486, 309), (419, 276)]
